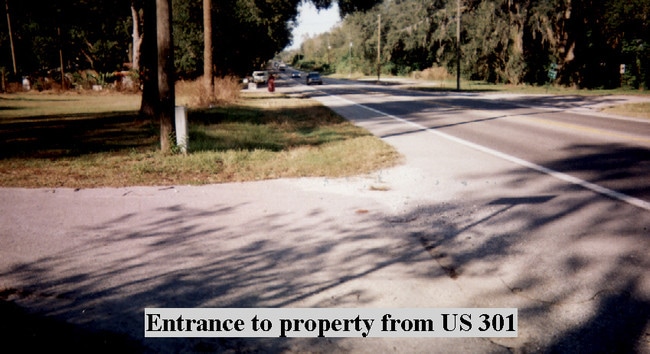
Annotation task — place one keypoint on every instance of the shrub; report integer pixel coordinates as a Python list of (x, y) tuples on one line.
[(195, 93), (433, 73)]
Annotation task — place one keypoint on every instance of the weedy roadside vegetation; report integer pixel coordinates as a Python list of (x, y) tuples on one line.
[(638, 110), (83, 140)]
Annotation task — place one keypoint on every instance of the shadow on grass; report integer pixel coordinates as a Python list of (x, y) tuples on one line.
[(443, 89), (273, 129), (35, 99), (74, 135), (264, 139), (218, 115), (237, 127)]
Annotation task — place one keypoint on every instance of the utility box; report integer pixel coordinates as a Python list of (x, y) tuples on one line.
[(182, 138)]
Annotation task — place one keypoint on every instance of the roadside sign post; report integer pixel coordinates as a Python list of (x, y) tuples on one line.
[(552, 75), (622, 72), (552, 72), (181, 128)]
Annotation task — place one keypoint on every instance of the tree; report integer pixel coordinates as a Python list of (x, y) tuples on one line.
[(165, 73), (208, 74), (148, 61), (137, 37), (499, 55), (509, 41), (11, 41), (158, 69)]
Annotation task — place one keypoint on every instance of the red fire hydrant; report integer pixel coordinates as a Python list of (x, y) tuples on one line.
[(271, 84)]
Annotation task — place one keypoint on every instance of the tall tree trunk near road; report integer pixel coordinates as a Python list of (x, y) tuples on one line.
[(137, 38), (148, 67), (158, 96), (11, 38), (165, 66), (208, 74)]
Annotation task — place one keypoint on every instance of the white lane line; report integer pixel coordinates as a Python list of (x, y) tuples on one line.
[(640, 203)]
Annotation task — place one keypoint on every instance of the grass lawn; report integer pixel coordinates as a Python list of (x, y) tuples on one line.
[(638, 110), (96, 140)]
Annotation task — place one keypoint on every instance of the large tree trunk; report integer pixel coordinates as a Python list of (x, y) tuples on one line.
[(208, 74), (165, 59), (137, 38), (149, 64), (158, 97)]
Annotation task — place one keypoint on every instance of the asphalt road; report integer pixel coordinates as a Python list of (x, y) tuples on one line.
[(557, 191), (559, 135), (494, 216)]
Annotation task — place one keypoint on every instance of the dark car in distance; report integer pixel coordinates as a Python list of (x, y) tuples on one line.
[(314, 78)]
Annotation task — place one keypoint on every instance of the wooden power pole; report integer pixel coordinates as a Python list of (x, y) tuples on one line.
[(378, 47), (11, 38), (457, 45)]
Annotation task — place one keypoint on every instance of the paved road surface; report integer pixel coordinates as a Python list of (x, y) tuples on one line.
[(562, 133), (453, 226)]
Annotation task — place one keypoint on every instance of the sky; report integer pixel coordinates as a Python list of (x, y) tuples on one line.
[(312, 22)]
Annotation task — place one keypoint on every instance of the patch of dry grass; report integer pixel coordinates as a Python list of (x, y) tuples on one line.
[(638, 110), (196, 94), (262, 136), (435, 73)]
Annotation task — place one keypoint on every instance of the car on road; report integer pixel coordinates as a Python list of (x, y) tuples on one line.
[(296, 75), (260, 77), (314, 78)]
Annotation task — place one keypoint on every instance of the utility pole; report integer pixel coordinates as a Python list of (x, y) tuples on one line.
[(328, 50), (457, 45), (58, 30), (11, 38), (208, 71), (350, 58), (378, 47)]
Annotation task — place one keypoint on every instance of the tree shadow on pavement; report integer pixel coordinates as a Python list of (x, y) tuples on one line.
[(586, 254), (520, 249), (620, 321), (185, 257), (26, 332)]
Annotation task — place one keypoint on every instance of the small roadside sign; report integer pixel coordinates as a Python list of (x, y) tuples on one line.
[(552, 72)]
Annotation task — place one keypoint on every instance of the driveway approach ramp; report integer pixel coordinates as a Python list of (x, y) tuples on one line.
[(450, 227)]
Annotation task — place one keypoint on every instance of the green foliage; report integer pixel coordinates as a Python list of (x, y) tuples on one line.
[(97, 35), (82, 31), (188, 38), (503, 41)]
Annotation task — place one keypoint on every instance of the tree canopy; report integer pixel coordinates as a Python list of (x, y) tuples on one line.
[(87, 36), (97, 35), (508, 41)]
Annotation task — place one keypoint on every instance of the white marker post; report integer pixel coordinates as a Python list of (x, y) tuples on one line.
[(181, 128)]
